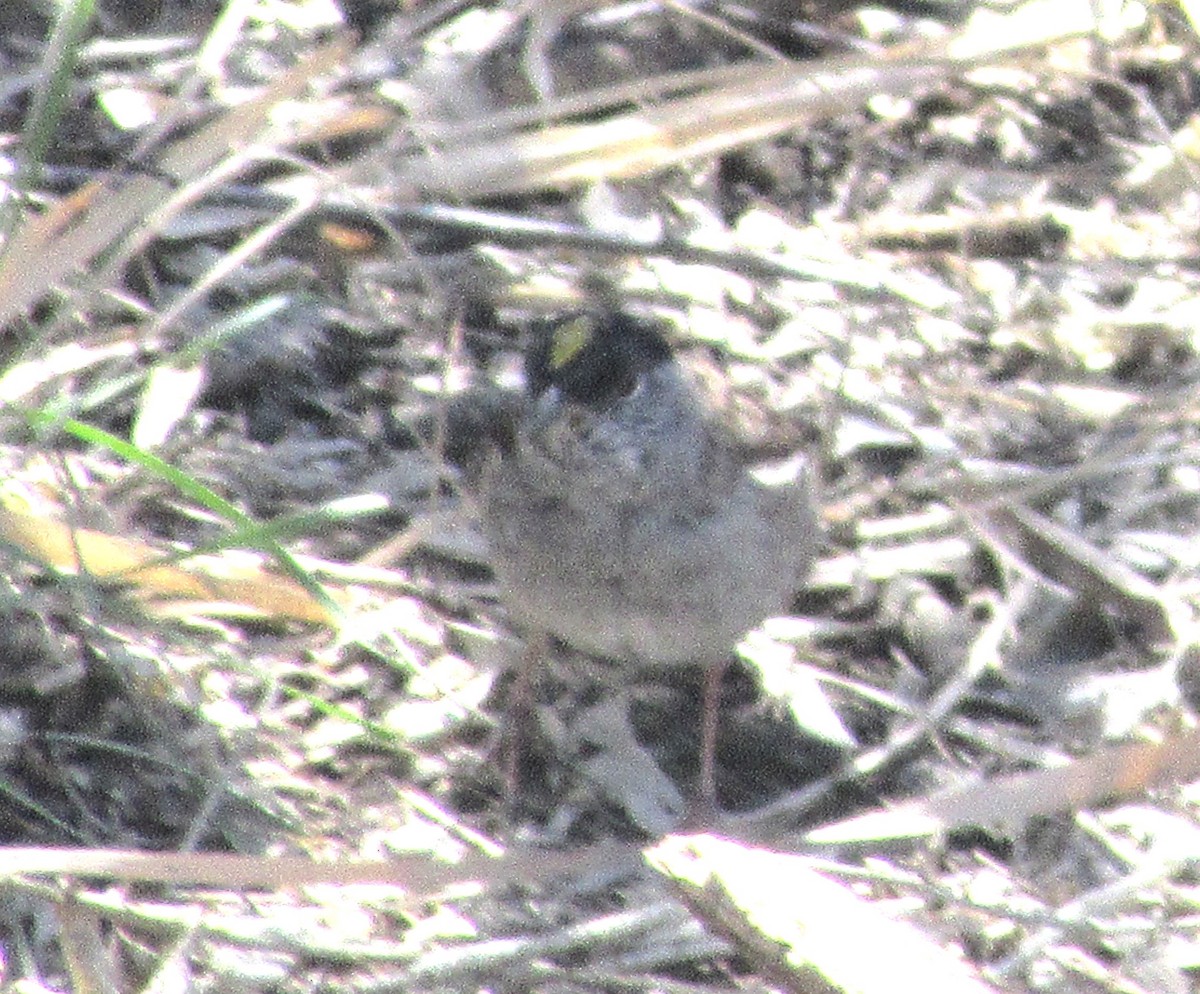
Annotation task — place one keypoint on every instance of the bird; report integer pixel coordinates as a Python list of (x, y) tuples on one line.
[(621, 516)]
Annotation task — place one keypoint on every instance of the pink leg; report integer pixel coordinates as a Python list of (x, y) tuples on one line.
[(517, 711), (710, 716)]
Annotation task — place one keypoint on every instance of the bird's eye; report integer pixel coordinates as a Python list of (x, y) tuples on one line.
[(625, 383)]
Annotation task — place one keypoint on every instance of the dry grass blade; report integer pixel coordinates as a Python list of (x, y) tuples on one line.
[(207, 585), (804, 931), (1007, 803), (420, 874), (741, 104), (1064, 557), (91, 959), (47, 250), (766, 101)]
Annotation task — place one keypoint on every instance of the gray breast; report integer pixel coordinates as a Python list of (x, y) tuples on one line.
[(636, 535)]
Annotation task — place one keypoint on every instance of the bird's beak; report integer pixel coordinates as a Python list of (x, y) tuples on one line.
[(546, 409)]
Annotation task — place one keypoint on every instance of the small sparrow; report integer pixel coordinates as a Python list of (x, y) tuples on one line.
[(621, 516)]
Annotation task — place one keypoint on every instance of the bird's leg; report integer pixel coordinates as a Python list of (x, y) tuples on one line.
[(517, 711), (706, 806)]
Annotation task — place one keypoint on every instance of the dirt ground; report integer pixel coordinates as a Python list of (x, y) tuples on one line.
[(256, 679)]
